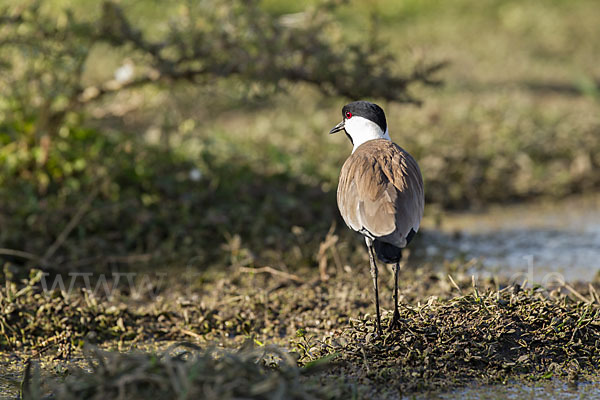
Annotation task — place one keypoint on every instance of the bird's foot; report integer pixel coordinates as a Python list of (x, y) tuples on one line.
[(377, 332), (376, 335), (395, 322)]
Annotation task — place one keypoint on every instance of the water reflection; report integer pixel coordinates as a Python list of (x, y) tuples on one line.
[(552, 389), (562, 237)]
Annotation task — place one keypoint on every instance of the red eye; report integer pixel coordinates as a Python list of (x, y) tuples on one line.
[(348, 115)]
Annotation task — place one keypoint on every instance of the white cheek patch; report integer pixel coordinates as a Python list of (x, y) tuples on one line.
[(362, 130)]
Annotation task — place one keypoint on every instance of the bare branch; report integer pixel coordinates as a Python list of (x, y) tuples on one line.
[(250, 44)]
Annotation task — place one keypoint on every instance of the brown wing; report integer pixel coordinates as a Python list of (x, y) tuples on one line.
[(380, 192)]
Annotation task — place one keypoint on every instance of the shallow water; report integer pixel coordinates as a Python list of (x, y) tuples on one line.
[(553, 389), (540, 242)]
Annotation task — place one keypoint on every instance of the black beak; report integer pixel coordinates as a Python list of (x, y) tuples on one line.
[(337, 128)]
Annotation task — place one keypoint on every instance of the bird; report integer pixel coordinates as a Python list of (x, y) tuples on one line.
[(380, 192)]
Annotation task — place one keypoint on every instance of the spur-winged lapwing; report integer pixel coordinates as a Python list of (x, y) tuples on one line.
[(380, 193)]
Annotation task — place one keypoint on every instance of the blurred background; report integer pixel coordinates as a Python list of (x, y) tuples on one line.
[(145, 134)]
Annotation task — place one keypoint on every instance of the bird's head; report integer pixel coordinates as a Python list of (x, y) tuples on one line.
[(362, 121)]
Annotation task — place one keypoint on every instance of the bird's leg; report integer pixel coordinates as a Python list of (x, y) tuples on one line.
[(396, 318), (374, 276)]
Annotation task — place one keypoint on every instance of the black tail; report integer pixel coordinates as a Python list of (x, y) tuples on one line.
[(388, 253)]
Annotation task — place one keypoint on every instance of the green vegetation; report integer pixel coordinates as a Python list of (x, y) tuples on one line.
[(192, 373), (180, 180), (200, 164)]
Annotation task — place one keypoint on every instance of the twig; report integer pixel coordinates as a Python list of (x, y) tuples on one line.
[(365, 362), (124, 259), (72, 224), (329, 242), (594, 294), (454, 284), (190, 333), (19, 253), (273, 271), (474, 283), (575, 292)]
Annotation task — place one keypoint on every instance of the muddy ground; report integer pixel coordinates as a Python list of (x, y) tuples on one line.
[(269, 333)]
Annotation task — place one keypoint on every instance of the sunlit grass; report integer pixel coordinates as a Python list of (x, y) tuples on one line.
[(222, 181)]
